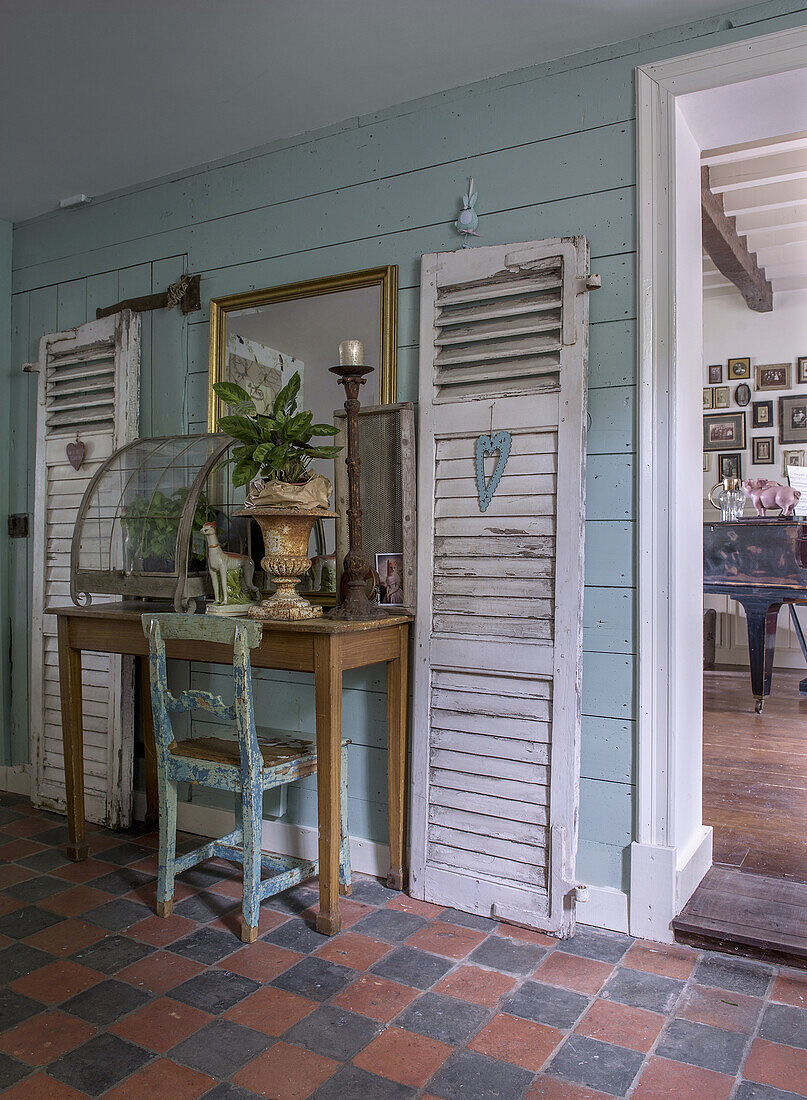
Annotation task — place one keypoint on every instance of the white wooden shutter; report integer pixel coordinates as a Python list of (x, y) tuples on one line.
[(503, 347), (89, 385)]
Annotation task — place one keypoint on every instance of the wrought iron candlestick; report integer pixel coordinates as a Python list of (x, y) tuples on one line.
[(354, 604)]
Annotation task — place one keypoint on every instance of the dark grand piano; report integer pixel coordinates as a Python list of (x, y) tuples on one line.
[(762, 564)]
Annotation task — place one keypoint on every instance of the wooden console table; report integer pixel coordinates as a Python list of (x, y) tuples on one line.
[(320, 646)]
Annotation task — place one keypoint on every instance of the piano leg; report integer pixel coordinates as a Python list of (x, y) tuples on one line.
[(761, 615)]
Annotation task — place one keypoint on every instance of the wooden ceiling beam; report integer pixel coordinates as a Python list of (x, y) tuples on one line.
[(729, 251)]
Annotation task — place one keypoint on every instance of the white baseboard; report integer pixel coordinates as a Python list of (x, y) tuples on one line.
[(663, 880), (605, 908), (16, 778), (693, 865)]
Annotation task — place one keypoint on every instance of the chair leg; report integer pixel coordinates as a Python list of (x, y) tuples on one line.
[(168, 845), (252, 815), (345, 880)]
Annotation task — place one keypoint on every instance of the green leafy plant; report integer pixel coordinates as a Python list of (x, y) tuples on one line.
[(277, 444), (151, 522)]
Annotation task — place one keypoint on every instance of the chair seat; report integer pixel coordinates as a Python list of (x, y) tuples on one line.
[(222, 751)]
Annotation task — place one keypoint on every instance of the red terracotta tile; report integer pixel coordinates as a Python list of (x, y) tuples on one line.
[(75, 901), (521, 1042), (790, 988), (635, 1028), (352, 911), (66, 937), (671, 960), (16, 849), (57, 981), (161, 1080), (27, 826), (150, 863), (573, 972), (403, 1057), (285, 1072), (260, 961), (271, 1010), (663, 1079), (12, 873), (720, 1008), (84, 870), (161, 1024), (267, 920), (441, 938), (8, 905), (480, 987), (550, 1088), (412, 905), (351, 949), (43, 1038), (160, 972), (147, 893), (772, 1064), (160, 931), (526, 935), (42, 1087), (228, 888), (376, 997)]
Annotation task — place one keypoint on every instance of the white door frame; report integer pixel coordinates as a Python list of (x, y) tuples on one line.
[(673, 850)]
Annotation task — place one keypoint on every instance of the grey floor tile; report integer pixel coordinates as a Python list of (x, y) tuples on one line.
[(206, 906), (352, 1083), (603, 946), (749, 1090), (48, 860), (596, 1065), (642, 990), (509, 956), (409, 966), (112, 954), (26, 921), (738, 975), (20, 959), (214, 991), (468, 920), (392, 925), (443, 1018), (57, 836), (36, 889), (371, 892), (333, 1032), (315, 978), (783, 1024), (293, 901), (296, 935), (99, 1064), (121, 881), (220, 1048), (701, 1045), (117, 915), (106, 1002), (15, 1008), (126, 853), (7, 815), (469, 1076), (201, 876), (207, 945), (11, 1071), (226, 1091), (545, 1004)]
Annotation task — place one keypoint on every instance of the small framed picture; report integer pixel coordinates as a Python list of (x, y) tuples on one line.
[(724, 430), (773, 376), (762, 414), (715, 374), (708, 402), (739, 368), (707, 462), (721, 398), (390, 579), (801, 370), (792, 458), (793, 419), (729, 466), (762, 450), (742, 394)]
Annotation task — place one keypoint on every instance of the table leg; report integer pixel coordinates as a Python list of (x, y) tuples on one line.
[(761, 617), (149, 747), (328, 694), (397, 703), (72, 740)]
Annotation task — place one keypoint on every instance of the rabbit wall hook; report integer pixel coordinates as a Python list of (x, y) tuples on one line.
[(468, 220)]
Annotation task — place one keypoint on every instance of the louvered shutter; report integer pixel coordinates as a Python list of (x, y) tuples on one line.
[(503, 346), (89, 386)]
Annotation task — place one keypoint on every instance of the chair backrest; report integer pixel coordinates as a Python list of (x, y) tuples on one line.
[(242, 635)]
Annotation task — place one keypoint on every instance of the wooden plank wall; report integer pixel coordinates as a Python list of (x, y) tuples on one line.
[(5, 384), (551, 150)]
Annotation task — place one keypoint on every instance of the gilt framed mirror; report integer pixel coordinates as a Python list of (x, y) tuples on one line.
[(259, 338)]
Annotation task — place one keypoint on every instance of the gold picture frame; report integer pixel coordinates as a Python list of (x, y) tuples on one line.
[(385, 278)]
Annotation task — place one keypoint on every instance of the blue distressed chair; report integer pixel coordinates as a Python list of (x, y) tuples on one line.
[(245, 765)]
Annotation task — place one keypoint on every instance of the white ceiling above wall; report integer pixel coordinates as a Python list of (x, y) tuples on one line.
[(97, 95)]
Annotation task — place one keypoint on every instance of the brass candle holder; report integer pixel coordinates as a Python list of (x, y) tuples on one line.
[(354, 604)]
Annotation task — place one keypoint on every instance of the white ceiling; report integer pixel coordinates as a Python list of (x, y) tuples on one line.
[(101, 94)]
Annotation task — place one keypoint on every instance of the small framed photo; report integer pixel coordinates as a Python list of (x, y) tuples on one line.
[(742, 394), (729, 466), (762, 414), (715, 374), (721, 398), (792, 458), (724, 430), (739, 369), (801, 370), (762, 450), (707, 462), (708, 401), (390, 579), (793, 419), (773, 376)]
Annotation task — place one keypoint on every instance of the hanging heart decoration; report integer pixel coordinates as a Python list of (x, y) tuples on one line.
[(75, 453), (497, 443)]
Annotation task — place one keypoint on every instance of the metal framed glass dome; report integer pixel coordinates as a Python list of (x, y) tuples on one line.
[(138, 528)]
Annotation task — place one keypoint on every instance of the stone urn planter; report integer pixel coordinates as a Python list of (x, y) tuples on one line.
[(286, 534)]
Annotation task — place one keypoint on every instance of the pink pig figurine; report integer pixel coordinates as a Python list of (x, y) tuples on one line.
[(770, 494)]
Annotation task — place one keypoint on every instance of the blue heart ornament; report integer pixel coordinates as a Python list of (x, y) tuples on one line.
[(495, 443)]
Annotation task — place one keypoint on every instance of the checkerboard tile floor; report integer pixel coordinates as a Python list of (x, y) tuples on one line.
[(100, 998)]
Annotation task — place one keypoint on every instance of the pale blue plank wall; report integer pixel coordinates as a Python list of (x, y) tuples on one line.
[(552, 152), (5, 409)]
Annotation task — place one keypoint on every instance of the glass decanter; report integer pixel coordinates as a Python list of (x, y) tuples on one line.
[(728, 497)]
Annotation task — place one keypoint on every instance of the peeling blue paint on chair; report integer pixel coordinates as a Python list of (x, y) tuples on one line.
[(244, 765)]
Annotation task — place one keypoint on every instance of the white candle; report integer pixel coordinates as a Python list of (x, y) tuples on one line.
[(351, 353)]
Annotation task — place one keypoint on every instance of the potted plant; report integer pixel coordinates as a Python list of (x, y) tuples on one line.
[(286, 497), (150, 523)]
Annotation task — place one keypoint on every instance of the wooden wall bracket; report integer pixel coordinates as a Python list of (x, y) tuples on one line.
[(184, 293)]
